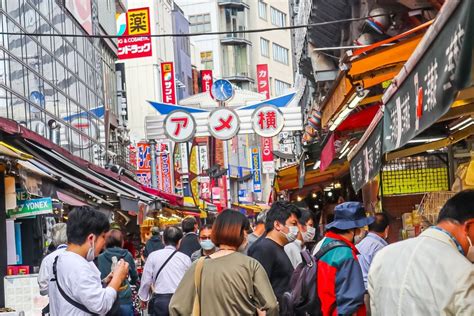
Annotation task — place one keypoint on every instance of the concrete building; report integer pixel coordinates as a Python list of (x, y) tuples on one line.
[(182, 54)]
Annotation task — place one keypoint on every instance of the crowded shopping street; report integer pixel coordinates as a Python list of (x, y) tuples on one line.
[(237, 157)]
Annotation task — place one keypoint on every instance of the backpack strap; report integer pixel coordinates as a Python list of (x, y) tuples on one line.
[(330, 246), (64, 295)]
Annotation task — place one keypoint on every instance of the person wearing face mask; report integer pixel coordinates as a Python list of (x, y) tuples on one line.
[(306, 235), (432, 274), (340, 282), (77, 289), (207, 246), (229, 282), (282, 228)]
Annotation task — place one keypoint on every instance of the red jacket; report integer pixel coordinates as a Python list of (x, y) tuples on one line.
[(340, 282)]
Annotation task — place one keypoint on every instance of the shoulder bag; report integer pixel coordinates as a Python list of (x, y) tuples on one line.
[(197, 286), (151, 303)]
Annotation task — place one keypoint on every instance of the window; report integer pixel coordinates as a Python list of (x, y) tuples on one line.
[(262, 10), (280, 54), (200, 23), (278, 17), (281, 87), (264, 47)]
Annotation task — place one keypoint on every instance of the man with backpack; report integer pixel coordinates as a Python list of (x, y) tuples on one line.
[(331, 282)]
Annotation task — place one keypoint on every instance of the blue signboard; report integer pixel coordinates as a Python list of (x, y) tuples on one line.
[(257, 175)]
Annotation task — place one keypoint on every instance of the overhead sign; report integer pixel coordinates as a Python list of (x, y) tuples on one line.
[(168, 88), (206, 80), (263, 85), (430, 88), (257, 177), (367, 162), (267, 121), (268, 165), (180, 126), (164, 167), (275, 116), (223, 123), (136, 23), (32, 208)]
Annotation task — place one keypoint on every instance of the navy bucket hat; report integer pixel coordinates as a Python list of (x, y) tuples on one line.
[(350, 215)]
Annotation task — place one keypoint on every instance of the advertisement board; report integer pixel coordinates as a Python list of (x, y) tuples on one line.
[(136, 23)]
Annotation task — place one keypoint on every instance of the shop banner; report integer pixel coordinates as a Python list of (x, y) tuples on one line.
[(168, 88), (136, 23), (257, 177), (262, 80), (268, 165), (206, 80), (430, 88), (164, 168), (32, 208), (367, 162)]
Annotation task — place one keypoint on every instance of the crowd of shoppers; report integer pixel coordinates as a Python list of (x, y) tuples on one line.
[(214, 271)]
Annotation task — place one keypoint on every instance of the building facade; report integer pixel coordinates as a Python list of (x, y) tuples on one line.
[(182, 55), (60, 87)]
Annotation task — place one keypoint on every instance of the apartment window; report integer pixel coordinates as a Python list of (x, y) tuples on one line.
[(280, 54), (200, 23), (264, 47), (281, 87), (262, 10), (278, 17)]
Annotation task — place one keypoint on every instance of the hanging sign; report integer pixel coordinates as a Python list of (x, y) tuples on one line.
[(223, 123), (428, 91), (164, 167), (262, 80), (366, 164), (257, 177), (268, 165), (168, 88), (267, 121), (31, 208), (135, 22), (206, 80), (180, 126)]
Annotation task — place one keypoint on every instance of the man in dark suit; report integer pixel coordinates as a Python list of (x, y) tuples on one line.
[(190, 241)]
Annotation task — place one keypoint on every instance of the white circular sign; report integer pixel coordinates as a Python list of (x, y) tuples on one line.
[(267, 121), (87, 127), (180, 126), (224, 123)]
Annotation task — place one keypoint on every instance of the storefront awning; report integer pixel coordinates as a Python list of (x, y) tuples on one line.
[(9, 150), (68, 199), (287, 178), (366, 71)]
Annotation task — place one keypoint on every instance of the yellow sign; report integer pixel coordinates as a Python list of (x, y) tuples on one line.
[(206, 56), (412, 181), (138, 22)]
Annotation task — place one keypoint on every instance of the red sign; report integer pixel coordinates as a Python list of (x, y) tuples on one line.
[(262, 80), (168, 89), (164, 168), (267, 149), (137, 27), (206, 80)]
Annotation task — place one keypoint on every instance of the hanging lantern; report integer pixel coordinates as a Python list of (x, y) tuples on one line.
[(379, 20)]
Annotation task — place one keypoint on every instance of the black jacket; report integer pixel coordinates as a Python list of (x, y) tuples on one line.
[(189, 244), (154, 243)]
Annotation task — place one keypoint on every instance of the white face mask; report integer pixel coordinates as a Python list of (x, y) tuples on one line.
[(292, 233), (91, 252), (309, 234), (470, 251)]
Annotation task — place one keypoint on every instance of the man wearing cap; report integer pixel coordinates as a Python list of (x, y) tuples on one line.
[(340, 283)]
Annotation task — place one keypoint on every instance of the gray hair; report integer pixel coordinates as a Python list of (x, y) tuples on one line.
[(59, 234), (155, 231)]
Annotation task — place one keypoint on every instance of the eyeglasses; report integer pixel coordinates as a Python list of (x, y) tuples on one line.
[(205, 238)]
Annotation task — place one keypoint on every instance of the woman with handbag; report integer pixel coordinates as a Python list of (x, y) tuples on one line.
[(226, 282)]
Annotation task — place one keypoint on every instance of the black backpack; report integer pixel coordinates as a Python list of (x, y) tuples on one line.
[(303, 297)]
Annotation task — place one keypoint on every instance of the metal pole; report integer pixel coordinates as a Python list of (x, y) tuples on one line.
[(298, 148), (154, 182)]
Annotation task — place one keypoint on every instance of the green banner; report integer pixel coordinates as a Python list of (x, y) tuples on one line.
[(31, 208), (429, 90)]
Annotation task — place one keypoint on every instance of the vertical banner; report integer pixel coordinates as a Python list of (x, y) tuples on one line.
[(136, 23), (268, 165), (165, 167), (204, 181), (257, 178), (143, 159), (262, 80), (168, 89), (206, 80)]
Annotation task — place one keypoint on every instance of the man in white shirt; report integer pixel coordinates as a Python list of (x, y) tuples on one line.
[(59, 240), (163, 272), (431, 274), (76, 289)]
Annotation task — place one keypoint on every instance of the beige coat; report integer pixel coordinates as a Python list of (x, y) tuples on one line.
[(426, 275)]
